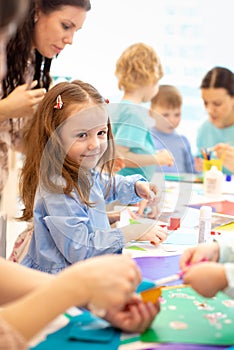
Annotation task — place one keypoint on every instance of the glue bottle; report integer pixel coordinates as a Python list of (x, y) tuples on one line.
[(213, 182), (204, 224)]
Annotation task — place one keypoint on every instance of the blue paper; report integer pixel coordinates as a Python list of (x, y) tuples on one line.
[(78, 334)]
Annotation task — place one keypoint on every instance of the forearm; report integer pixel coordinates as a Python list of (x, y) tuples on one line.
[(10, 288), (134, 232), (42, 306), (136, 160), (5, 110)]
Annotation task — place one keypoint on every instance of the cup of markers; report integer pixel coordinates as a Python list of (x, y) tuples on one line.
[(208, 162)]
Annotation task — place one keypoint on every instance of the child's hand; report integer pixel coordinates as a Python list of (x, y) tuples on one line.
[(164, 157), (146, 190), (194, 255), (152, 205), (155, 234), (136, 316), (119, 163), (206, 278), (198, 164)]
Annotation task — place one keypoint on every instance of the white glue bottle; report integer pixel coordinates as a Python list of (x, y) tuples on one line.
[(204, 224), (213, 182)]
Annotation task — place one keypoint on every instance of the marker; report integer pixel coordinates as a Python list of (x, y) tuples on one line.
[(168, 279)]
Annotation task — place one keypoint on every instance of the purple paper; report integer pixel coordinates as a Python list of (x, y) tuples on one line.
[(155, 267)]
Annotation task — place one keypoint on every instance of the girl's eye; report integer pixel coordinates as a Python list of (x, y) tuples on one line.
[(81, 135)]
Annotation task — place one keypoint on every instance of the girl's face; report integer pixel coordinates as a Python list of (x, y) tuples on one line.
[(5, 36), (84, 135), (55, 30), (219, 105)]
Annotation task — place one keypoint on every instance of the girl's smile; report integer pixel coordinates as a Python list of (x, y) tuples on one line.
[(84, 136)]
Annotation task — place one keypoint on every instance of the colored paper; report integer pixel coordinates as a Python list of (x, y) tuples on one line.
[(155, 267), (221, 207), (227, 227), (151, 295), (135, 247), (85, 331), (187, 317)]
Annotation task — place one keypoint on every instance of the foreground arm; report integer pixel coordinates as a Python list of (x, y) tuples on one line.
[(136, 160), (105, 282), (12, 273)]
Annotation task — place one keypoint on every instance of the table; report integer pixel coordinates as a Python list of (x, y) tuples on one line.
[(176, 196)]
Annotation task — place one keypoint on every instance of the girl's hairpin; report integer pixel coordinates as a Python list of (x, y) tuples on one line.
[(106, 100), (59, 102)]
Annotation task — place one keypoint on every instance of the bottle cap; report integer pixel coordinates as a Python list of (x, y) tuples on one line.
[(228, 177), (206, 212)]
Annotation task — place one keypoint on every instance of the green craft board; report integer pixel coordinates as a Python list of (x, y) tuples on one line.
[(208, 321)]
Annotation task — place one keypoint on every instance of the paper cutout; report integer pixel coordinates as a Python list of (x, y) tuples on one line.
[(151, 294), (221, 207), (187, 317), (135, 247), (85, 331), (227, 227)]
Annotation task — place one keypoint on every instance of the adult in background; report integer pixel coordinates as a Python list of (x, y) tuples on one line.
[(106, 282), (217, 91), (49, 26)]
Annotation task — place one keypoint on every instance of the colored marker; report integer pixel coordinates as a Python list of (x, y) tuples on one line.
[(168, 279)]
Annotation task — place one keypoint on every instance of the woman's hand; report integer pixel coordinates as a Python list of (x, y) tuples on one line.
[(21, 102), (226, 153)]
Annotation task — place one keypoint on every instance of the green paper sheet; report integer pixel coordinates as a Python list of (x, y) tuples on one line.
[(187, 317), (135, 247)]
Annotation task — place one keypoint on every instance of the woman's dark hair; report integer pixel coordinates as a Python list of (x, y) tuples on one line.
[(19, 48), (219, 77)]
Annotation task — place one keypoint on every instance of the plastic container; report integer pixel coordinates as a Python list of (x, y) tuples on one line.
[(213, 182), (204, 224)]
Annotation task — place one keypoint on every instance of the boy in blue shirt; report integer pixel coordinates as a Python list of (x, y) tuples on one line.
[(166, 111)]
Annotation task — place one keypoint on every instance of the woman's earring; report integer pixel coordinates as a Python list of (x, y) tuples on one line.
[(35, 19)]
